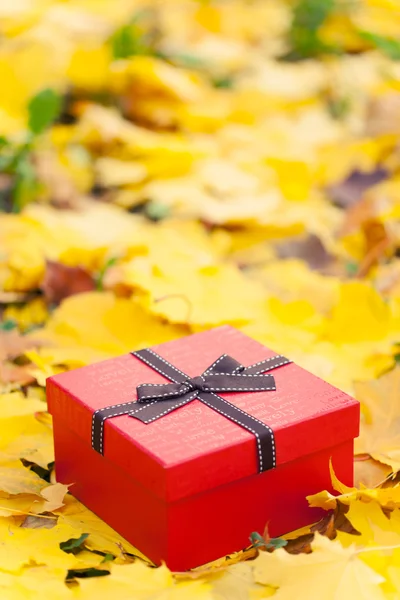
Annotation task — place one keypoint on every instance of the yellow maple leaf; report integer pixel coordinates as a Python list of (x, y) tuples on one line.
[(16, 505), (97, 325), (293, 279), (21, 546), (19, 480), (380, 431), (34, 583), (385, 496), (53, 498), (89, 67), (32, 313), (332, 571), (138, 581), (16, 405), (113, 172), (37, 448), (154, 76), (374, 526), (360, 315)]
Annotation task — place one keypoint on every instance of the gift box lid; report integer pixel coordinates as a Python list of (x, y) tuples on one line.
[(194, 448)]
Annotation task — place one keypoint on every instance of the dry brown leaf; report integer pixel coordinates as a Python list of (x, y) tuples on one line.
[(351, 190), (377, 245), (358, 213), (369, 472), (39, 522), (61, 281), (10, 373), (309, 249), (13, 344), (59, 186), (384, 114)]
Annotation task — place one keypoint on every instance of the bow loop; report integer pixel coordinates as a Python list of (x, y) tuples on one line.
[(238, 382), (224, 375), (147, 392), (224, 364)]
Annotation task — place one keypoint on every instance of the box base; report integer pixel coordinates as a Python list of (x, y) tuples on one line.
[(190, 532)]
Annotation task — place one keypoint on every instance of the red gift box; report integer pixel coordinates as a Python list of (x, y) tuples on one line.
[(186, 488)]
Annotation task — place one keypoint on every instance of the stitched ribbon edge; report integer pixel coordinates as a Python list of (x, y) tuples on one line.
[(101, 415)]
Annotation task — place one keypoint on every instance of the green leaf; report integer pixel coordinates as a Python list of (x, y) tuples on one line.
[(99, 279), (108, 557), (26, 184), (224, 82), (273, 544), (8, 325), (86, 573), (308, 17), (130, 41), (43, 109), (397, 358), (188, 61), (277, 543), (73, 546), (339, 107), (389, 46), (351, 268), (156, 211)]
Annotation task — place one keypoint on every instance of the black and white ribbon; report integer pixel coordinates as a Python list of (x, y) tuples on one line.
[(224, 375)]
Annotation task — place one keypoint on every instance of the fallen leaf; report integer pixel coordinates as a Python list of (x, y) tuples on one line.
[(22, 546), (61, 281), (369, 472), (15, 480), (20, 375), (13, 344), (34, 583), (311, 250), (39, 522), (336, 570), (380, 431), (138, 581), (113, 172), (15, 404), (386, 496), (38, 448), (350, 191), (53, 498), (20, 504)]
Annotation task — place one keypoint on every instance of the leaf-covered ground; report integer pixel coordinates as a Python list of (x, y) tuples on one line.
[(168, 166)]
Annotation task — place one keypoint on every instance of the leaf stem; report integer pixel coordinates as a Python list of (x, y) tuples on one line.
[(377, 548), (23, 512)]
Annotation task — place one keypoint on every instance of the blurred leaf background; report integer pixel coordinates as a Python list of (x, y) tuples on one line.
[(167, 166)]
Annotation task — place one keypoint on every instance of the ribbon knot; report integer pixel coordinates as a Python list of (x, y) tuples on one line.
[(196, 383), (224, 375)]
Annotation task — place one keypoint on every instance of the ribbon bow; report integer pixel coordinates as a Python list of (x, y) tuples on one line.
[(155, 400), (224, 375)]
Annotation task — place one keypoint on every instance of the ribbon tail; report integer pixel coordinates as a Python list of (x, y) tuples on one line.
[(224, 364), (99, 418), (227, 382), (267, 365), (151, 411), (264, 436)]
